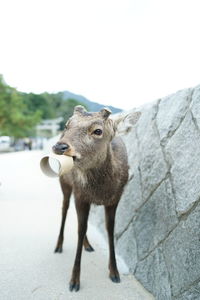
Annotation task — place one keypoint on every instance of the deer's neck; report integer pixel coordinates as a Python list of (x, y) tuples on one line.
[(101, 170)]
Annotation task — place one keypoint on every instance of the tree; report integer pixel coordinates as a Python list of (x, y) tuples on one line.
[(15, 119), (20, 112), (66, 110), (40, 102)]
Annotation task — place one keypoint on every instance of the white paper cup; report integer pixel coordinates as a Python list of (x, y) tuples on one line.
[(54, 165)]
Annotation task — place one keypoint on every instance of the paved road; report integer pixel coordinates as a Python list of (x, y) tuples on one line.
[(30, 207)]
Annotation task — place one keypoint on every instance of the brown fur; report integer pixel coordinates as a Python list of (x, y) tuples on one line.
[(99, 175)]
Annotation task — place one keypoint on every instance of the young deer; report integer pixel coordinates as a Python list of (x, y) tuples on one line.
[(98, 177)]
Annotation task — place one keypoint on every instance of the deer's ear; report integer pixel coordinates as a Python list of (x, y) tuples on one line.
[(105, 112), (132, 118), (79, 109)]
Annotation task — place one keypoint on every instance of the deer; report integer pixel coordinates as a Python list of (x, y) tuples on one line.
[(99, 175)]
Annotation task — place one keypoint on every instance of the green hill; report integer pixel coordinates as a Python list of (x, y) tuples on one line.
[(92, 106)]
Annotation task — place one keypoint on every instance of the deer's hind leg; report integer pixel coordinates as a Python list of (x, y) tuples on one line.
[(87, 245)]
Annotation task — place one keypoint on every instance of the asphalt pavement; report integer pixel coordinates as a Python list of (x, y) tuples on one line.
[(30, 212)]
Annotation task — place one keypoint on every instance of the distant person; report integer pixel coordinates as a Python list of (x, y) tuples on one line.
[(27, 144), (30, 144)]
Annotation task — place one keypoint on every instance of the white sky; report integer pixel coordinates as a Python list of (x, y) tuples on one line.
[(118, 52)]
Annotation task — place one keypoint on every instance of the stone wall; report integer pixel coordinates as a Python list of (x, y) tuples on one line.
[(158, 219)]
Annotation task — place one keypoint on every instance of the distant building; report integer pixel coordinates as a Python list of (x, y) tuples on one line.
[(49, 128)]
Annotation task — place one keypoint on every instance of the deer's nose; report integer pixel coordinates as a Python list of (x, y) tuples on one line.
[(60, 148)]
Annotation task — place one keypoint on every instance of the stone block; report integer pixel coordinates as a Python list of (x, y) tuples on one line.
[(132, 196), (183, 153), (126, 247), (155, 219), (195, 106), (153, 274), (182, 253), (151, 160), (193, 293), (148, 115), (172, 110)]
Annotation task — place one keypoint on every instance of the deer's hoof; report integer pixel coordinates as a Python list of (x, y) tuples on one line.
[(58, 250), (73, 286), (115, 278), (89, 249)]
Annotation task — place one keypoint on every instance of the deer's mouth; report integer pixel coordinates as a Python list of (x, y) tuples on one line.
[(74, 157)]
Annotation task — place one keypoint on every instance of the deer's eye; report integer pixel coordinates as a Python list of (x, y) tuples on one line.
[(98, 132)]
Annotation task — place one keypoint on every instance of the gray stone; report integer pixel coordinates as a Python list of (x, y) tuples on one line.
[(127, 248), (149, 112), (128, 204), (155, 219), (182, 253), (153, 274), (152, 164), (196, 105), (132, 196), (130, 140), (192, 294), (183, 152), (172, 110)]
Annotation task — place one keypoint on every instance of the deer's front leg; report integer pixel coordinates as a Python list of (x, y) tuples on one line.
[(82, 209), (110, 223)]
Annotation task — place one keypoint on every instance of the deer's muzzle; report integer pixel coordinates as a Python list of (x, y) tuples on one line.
[(60, 148)]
